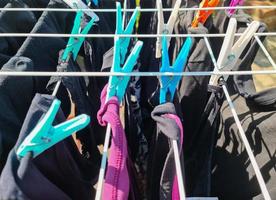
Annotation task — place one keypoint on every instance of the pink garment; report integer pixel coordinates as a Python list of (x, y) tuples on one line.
[(175, 190), (116, 186)]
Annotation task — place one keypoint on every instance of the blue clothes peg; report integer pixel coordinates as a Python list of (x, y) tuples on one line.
[(96, 2), (170, 83), (126, 31), (74, 43), (118, 84), (45, 135)]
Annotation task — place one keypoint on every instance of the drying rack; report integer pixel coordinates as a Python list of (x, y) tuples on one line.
[(205, 36)]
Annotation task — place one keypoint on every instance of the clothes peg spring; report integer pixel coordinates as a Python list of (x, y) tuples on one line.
[(167, 28), (169, 84), (117, 85), (202, 15), (74, 43), (231, 52), (167, 90)]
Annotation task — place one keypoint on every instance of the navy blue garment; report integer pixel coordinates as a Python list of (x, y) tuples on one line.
[(58, 173)]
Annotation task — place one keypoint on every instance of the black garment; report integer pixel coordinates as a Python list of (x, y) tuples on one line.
[(15, 97), (42, 55), (161, 167), (3, 3), (44, 51), (83, 105), (231, 159), (199, 119), (21, 22), (58, 173), (198, 159), (257, 114)]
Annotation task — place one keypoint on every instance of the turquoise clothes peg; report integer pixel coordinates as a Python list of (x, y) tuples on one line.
[(45, 135), (118, 84), (170, 83), (74, 43), (124, 31)]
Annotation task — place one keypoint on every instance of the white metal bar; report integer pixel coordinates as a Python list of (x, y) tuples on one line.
[(179, 174), (140, 9), (103, 164), (142, 74), (62, 35), (56, 88), (241, 131), (266, 52)]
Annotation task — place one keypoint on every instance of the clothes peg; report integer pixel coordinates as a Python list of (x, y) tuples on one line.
[(45, 135), (169, 84), (229, 53), (163, 28), (118, 84), (78, 4), (124, 41), (234, 3), (74, 43), (96, 2), (202, 15)]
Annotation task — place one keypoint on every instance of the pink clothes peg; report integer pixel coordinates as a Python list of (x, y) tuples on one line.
[(234, 3)]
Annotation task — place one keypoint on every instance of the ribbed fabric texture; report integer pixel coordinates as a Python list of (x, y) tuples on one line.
[(175, 191), (116, 186)]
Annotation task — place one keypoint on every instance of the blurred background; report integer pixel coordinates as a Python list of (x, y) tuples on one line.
[(268, 16)]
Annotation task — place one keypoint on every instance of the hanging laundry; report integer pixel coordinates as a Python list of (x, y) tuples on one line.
[(199, 131), (117, 184), (149, 156), (42, 55), (162, 182), (58, 173), (78, 94), (22, 22), (255, 110)]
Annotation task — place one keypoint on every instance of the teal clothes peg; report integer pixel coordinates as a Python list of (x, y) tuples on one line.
[(118, 84), (124, 31), (45, 135), (169, 83), (74, 43)]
